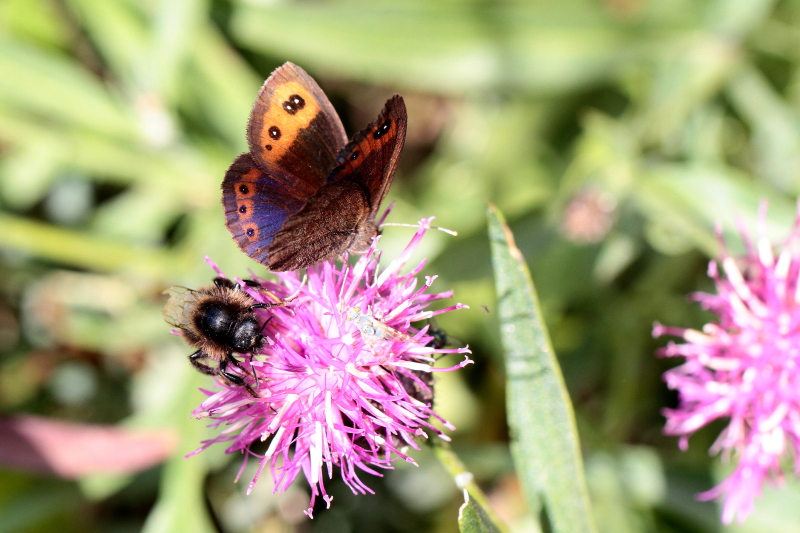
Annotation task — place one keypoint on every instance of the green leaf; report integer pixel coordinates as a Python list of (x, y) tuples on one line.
[(473, 519), (46, 84), (181, 503), (439, 47), (544, 439), (675, 197)]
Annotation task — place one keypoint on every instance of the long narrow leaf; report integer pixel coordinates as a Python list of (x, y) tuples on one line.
[(544, 439)]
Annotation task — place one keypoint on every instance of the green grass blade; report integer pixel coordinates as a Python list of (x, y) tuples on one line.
[(47, 84), (544, 439), (438, 46), (78, 248)]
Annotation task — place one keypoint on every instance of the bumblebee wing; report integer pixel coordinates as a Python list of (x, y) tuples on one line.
[(178, 309)]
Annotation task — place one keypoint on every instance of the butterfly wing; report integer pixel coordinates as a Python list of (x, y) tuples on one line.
[(324, 229), (340, 216), (371, 158), (294, 136), (257, 205), (294, 132)]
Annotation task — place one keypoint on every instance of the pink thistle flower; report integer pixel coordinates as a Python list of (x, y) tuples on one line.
[(744, 367), (344, 378)]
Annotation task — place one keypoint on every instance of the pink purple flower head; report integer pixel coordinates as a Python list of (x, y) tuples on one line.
[(744, 367), (343, 378)]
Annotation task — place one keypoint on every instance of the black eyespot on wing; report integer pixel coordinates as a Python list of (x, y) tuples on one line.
[(274, 132), (354, 155), (243, 209), (380, 132), (244, 189), (294, 104)]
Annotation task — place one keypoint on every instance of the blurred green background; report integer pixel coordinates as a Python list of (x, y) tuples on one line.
[(612, 133)]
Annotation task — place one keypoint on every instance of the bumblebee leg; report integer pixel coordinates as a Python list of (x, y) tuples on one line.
[(261, 332), (266, 305), (224, 283), (195, 359), (235, 362), (233, 378)]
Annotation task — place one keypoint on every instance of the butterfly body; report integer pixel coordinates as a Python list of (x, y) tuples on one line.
[(303, 194)]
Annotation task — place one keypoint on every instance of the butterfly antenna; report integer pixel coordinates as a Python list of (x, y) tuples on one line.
[(448, 231)]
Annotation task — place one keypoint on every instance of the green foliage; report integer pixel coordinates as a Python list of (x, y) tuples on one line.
[(612, 133), (541, 423)]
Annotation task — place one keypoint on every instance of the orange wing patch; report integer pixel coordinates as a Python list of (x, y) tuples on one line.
[(279, 115), (250, 230), (244, 191), (245, 209)]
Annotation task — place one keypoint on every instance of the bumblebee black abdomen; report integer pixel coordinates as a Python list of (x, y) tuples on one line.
[(216, 321)]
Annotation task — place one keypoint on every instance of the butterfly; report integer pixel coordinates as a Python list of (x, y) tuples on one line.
[(303, 194)]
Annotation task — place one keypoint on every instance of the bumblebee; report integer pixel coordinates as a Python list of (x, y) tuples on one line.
[(219, 320)]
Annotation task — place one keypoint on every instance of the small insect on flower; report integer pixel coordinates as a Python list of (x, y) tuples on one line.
[(373, 330), (440, 337), (419, 385), (219, 320)]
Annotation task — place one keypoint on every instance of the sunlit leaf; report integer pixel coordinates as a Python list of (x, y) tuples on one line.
[(544, 440), (438, 46)]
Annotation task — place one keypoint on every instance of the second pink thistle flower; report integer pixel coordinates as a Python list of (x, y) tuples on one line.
[(744, 367)]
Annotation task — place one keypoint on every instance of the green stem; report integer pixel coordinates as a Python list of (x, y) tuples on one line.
[(466, 481)]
